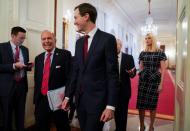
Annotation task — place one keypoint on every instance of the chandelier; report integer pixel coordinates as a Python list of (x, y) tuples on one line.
[(150, 27)]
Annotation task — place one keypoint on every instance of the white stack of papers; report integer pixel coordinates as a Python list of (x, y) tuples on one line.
[(55, 98)]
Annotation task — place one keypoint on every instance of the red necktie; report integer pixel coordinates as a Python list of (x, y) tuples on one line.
[(17, 74), (85, 51), (85, 48), (46, 73), (17, 53)]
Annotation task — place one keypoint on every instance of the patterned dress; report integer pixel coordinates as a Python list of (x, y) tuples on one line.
[(149, 79)]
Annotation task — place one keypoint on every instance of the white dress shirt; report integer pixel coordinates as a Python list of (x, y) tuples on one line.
[(46, 54), (119, 61), (91, 36), (21, 58)]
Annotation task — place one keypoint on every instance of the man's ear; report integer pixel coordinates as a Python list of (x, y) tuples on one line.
[(87, 16)]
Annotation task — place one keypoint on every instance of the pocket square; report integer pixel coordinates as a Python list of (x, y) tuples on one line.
[(58, 67)]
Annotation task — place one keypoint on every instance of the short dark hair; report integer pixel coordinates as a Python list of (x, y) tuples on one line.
[(87, 8), (16, 29)]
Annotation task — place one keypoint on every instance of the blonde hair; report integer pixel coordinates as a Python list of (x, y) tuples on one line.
[(154, 43)]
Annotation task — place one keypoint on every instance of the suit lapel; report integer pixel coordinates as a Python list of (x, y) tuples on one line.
[(124, 62), (10, 52), (23, 54), (92, 47), (80, 46), (53, 63), (40, 66)]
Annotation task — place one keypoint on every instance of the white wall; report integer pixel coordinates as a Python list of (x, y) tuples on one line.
[(8, 18), (4, 20)]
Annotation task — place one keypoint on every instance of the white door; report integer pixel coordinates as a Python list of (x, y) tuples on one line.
[(182, 104)]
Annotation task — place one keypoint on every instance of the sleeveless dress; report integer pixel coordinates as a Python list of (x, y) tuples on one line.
[(149, 79)]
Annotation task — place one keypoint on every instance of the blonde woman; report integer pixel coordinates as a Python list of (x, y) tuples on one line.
[(152, 66)]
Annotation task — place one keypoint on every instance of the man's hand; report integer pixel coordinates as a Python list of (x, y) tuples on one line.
[(159, 88), (61, 95), (65, 105), (131, 72), (19, 65), (107, 115), (29, 66)]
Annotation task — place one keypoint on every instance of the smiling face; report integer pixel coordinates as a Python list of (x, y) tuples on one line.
[(80, 21), (48, 41)]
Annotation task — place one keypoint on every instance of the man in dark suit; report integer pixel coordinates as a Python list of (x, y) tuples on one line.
[(52, 69), (13, 79), (94, 78), (127, 70)]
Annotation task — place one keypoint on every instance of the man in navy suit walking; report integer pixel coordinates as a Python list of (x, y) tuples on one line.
[(127, 70), (94, 78)]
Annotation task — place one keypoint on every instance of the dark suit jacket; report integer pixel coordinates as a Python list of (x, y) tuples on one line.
[(6, 68), (97, 75), (127, 63), (59, 72)]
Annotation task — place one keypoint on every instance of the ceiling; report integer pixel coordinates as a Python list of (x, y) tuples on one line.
[(162, 11)]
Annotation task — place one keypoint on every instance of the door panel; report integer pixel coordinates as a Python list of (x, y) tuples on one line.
[(182, 121)]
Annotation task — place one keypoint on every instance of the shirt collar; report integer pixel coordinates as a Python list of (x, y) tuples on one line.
[(119, 55), (12, 45), (52, 52), (92, 32)]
